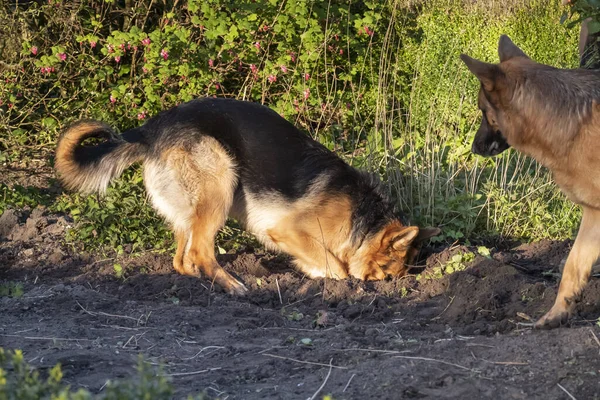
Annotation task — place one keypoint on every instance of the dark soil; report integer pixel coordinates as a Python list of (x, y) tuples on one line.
[(466, 335)]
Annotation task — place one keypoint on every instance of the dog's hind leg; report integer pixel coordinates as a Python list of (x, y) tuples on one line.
[(583, 256), (182, 238), (201, 254)]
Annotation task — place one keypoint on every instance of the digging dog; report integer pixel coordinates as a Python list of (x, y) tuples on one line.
[(214, 158), (552, 115)]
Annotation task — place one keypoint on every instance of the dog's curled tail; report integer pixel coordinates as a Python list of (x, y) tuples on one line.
[(90, 168)]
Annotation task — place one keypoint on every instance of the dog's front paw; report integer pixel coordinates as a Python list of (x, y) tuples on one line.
[(236, 288), (557, 316)]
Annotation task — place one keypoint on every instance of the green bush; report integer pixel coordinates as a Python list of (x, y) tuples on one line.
[(19, 381), (378, 82)]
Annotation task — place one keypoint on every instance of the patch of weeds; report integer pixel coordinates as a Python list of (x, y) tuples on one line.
[(484, 251), (457, 263), (403, 292), (295, 316), (19, 196), (19, 381), (11, 289), (118, 270)]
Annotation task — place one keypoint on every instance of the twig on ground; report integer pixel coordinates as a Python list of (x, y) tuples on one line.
[(595, 337), (348, 384), (376, 351), (324, 382), (202, 349), (48, 338), (94, 313), (440, 314), (303, 362), (278, 291), (504, 362), (566, 391), (438, 361), (193, 372)]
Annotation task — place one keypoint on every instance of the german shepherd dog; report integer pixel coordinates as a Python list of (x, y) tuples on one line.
[(552, 115), (212, 158)]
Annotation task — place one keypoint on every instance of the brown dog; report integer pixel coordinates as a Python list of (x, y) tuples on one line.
[(209, 159), (552, 115)]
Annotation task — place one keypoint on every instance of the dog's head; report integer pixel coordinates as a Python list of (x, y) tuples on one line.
[(391, 251), (495, 95)]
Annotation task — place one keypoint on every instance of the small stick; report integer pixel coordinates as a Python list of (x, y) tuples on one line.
[(348, 384), (566, 391), (105, 314), (440, 314), (324, 382), (595, 337), (278, 290), (438, 361), (303, 362), (202, 349), (505, 362), (377, 351), (193, 372), (46, 338)]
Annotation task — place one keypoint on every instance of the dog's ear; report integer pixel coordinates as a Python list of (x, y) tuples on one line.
[(402, 238), (427, 233), (507, 49), (488, 74)]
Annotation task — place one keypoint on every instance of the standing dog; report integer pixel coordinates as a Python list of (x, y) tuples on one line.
[(212, 158), (552, 115)]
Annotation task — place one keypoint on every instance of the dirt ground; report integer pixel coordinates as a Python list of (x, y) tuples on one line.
[(463, 336)]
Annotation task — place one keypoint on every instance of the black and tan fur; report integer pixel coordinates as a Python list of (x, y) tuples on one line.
[(209, 159), (552, 115)]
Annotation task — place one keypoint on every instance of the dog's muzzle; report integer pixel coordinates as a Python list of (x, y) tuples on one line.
[(491, 147)]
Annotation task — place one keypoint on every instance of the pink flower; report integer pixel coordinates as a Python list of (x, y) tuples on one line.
[(92, 44), (112, 99), (306, 76), (217, 86), (135, 48), (164, 54), (306, 93), (122, 46), (257, 45), (211, 63), (341, 51), (110, 48), (117, 59), (284, 69), (253, 68), (293, 56), (272, 78), (145, 70), (146, 41), (62, 56), (368, 31), (34, 50), (141, 115)]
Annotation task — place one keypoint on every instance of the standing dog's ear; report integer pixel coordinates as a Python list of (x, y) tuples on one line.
[(507, 49), (488, 74)]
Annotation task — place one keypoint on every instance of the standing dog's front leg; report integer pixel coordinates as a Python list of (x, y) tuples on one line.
[(583, 256)]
